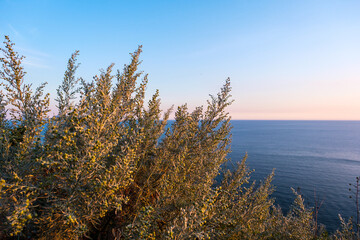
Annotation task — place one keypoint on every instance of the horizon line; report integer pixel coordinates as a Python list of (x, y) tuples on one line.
[(339, 120)]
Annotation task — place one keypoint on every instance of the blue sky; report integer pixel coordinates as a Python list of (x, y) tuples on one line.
[(286, 59)]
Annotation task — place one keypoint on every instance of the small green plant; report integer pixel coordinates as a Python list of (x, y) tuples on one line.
[(354, 189), (317, 207)]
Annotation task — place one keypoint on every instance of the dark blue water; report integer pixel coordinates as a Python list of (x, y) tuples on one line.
[(321, 156)]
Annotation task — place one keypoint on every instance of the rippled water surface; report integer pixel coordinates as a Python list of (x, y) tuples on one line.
[(314, 156)]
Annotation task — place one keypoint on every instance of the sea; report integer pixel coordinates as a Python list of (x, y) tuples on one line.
[(319, 159)]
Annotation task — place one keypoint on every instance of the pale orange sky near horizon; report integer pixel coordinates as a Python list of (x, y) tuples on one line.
[(287, 60)]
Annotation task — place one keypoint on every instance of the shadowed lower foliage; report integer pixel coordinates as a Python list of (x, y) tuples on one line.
[(109, 166)]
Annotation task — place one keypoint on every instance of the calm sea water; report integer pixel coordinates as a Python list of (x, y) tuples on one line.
[(320, 156)]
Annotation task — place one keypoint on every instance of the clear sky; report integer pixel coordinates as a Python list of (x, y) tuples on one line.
[(286, 59)]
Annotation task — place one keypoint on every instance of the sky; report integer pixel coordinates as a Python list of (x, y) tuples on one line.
[(287, 60)]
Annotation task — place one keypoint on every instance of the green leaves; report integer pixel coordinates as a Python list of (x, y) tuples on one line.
[(67, 90), (109, 166)]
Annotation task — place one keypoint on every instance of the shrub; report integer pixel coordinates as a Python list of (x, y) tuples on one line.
[(109, 166)]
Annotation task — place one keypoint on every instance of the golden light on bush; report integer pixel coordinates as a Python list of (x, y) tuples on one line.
[(110, 166)]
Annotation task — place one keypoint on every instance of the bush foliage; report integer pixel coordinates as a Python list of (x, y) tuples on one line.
[(109, 165)]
